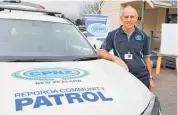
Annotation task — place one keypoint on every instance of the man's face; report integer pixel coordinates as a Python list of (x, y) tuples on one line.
[(129, 19)]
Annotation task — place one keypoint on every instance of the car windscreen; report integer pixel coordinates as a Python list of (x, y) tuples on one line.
[(38, 38)]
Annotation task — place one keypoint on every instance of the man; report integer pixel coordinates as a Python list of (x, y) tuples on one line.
[(131, 48)]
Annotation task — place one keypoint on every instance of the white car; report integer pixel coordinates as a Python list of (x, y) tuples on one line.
[(49, 68)]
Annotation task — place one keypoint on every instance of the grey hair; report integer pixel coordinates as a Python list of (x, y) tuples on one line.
[(128, 7)]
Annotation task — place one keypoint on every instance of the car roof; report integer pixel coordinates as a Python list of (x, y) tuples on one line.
[(20, 4), (22, 15)]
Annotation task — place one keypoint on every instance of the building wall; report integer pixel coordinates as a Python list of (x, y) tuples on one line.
[(161, 18), (161, 14), (152, 20), (173, 11), (112, 10), (149, 20)]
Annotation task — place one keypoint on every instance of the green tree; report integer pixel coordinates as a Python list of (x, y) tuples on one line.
[(78, 22)]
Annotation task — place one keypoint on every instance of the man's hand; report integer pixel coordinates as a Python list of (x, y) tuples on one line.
[(105, 55), (152, 84), (120, 62)]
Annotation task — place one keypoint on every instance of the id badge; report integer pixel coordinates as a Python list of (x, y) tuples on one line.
[(128, 56)]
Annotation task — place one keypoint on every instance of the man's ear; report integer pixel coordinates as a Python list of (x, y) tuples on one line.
[(121, 20), (137, 18)]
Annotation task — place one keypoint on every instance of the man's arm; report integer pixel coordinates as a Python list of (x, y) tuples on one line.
[(147, 53), (106, 55), (107, 45), (103, 52), (148, 65)]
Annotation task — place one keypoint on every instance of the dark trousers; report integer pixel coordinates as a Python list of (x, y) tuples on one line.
[(146, 82), (143, 76)]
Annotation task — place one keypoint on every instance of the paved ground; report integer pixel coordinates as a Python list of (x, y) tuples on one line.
[(166, 90)]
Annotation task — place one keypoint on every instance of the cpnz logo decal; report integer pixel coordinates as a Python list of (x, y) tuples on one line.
[(50, 74), (97, 29)]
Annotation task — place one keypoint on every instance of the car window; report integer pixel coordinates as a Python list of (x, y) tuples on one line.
[(37, 38)]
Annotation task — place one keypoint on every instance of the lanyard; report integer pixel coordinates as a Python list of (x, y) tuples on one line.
[(129, 45)]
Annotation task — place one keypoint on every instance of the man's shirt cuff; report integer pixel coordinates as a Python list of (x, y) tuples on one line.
[(147, 55)]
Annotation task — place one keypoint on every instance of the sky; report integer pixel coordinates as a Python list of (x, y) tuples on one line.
[(70, 8)]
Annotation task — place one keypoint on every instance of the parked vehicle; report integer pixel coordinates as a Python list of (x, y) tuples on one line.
[(49, 67)]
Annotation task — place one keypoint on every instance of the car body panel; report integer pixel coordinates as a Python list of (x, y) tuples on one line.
[(30, 16), (130, 96)]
